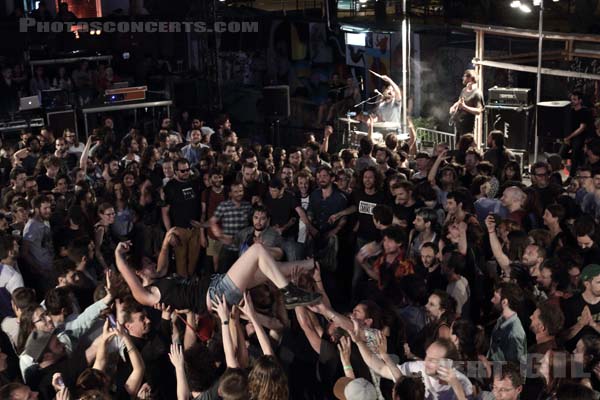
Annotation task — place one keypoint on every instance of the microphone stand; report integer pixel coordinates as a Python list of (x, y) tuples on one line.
[(366, 101)]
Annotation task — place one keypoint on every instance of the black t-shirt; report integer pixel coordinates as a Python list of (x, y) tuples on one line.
[(365, 203), (44, 183), (184, 199), (282, 210), (572, 308), (583, 116), (407, 214)]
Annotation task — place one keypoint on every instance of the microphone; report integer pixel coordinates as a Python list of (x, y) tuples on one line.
[(362, 84)]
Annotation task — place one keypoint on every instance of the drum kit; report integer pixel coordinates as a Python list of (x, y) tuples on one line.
[(352, 136)]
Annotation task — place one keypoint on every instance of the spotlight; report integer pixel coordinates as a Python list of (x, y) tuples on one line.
[(92, 32), (536, 3), (515, 4), (98, 31), (362, 1), (525, 8)]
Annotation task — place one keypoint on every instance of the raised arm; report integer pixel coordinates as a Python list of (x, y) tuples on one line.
[(501, 258), (135, 379), (176, 357), (372, 361), (263, 338), (140, 293), (85, 153), (220, 307), (327, 132), (435, 167), (162, 265), (302, 314)]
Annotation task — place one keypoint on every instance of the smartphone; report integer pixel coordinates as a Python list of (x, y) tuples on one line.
[(60, 383), (111, 321), (497, 219)]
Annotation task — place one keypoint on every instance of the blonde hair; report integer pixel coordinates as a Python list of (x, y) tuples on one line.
[(267, 380)]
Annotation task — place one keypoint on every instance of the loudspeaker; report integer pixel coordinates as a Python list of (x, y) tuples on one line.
[(276, 101), (515, 122), (61, 120), (554, 120)]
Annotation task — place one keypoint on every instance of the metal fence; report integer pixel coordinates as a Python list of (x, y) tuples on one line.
[(428, 138)]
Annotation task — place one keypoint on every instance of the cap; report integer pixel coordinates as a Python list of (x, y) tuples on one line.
[(590, 272), (354, 389), (36, 344)]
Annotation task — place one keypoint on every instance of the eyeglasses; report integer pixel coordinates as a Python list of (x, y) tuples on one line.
[(183, 171), (584, 177), (42, 318), (110, 214)]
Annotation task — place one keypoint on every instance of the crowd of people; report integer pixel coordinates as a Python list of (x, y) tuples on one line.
[(188, 264)]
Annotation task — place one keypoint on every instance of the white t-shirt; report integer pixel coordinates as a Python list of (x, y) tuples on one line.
[(460, 291), (433, 388)]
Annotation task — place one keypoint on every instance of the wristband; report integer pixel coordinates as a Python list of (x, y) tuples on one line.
[(348, 367), (226, 322)]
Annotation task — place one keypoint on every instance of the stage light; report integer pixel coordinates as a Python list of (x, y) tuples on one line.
[(515, 4), (98, 31), (362, 1), (92, 32), (537, 2), (525, 8)]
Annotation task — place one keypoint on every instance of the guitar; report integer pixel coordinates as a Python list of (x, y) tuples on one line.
[(454, 111)]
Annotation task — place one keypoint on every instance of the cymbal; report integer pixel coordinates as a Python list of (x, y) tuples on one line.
[(375, 136), (349, 120), (386, 125)]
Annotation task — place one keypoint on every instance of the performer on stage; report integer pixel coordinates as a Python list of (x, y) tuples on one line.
[(469, 105), (390, 109)]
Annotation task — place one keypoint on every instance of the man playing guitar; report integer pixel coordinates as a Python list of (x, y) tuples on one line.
[(469, 105)]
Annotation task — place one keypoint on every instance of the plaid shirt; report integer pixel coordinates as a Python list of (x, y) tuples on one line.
[(233, 219), (395, 270)]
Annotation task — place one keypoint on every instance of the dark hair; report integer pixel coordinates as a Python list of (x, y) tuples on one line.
[(409, 388), (24, 298), (552, 317), (432, 246), (460, 197), (429, 215), (511, 371), (466, 333), (585, 226), (63, 266), (365, 146), (377, 175), (39, 199), (7, 244), (383, 214), (456, 262), (260, 209), (58, 299), (557, 211), (200, 368), (374, 312), (512, 293), (395, 233), (574, 391), (447, 303)]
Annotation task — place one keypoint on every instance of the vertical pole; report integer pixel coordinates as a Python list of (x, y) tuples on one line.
[(479, 50), (538, 94), (405, 61)]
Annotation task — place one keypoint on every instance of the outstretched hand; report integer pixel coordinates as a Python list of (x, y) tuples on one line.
[(176, 356), (220, 307), (248, 308)]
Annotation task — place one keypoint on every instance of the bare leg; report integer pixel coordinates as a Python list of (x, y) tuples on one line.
[(255, 267)]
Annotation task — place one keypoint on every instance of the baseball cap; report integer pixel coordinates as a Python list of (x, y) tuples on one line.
[(590, 272), (36, 344), (354, 389)]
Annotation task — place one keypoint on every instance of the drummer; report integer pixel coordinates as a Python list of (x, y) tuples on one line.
[(390, 108)]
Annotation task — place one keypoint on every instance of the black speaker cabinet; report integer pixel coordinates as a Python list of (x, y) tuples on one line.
[(555, 119), (276, 101), (515, 122), (61, 120)]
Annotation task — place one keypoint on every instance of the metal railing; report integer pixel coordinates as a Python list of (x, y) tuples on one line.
[(428, 138)]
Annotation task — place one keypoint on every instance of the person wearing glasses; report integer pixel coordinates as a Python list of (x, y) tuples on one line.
[(104, 239), (183, 208), (507, 384)]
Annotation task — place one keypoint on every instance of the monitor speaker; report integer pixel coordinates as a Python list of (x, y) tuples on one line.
[(276, 101), (555, 119), (515, 122)]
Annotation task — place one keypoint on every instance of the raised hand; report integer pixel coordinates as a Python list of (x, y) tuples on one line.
[(220, 307), (345, 348), (176, 356), (248, 308), (123, 247), (381, 343)]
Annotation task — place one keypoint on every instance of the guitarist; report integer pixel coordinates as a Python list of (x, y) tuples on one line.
[(469, 105)]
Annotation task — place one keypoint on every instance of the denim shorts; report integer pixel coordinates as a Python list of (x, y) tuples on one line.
[(221, 284)]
